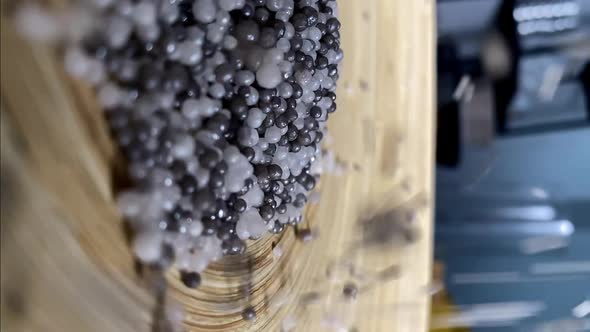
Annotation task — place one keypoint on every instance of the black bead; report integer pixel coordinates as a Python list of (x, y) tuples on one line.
[(304, 139), (233, 246), (281, 121), (332, 70), (282, 209), (226, 230), (178, 169), (287, 198), (248, 153), (318, 137), (266, 94), (275, 171), (292, 133), (311, 14), (322, 27), (297, 91), (210, 226), (150, 77), (266, 212), (296, 43), (272, 148), (307, 181), (261, 15), (333, 24), (350, 291), (204, 200), (328, 40), (315, 112), (224, 73), (221, 209), (305, 235), (295, 146), (190, 279), (269, 121), (221, 167), (324, 48), (167, 257), (279, 28), (275, 102), (216, 180), (249, 314), (188, 184), (300, 56), (291, 103), (298, 203), (268, 37), (232, 217), (332, 108), (240, 205), (209, 48), (278, 227), (261, 172), (247, 11), (308, 62), (275, 187), (310, 123), (290, 56), (244, 91), (175, 79), (238, 106), (283, 141), (170, 223), (264, 106), (321, 62), (299, 22), (209, 158), (331, 95)]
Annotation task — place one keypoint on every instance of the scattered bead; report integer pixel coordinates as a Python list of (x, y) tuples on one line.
[(249, 314)]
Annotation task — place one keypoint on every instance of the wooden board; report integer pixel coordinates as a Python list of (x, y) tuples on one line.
[(385, 125), (59, 161)]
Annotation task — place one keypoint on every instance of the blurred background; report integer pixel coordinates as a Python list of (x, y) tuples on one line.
[(513, 163)]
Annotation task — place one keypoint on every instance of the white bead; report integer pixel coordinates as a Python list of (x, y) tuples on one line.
[(195, 228), (204, 11), (76, 62), (147, 246), (118, 29), (109, 95), (268, 76), (255, 118), (194, 108), (184, 147), (144, 13), (37, 24), (189, 53)]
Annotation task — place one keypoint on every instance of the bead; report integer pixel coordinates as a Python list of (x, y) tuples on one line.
[(190, 279), (249, 314)]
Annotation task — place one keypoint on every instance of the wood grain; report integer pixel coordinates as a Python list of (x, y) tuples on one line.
[(66, 265)]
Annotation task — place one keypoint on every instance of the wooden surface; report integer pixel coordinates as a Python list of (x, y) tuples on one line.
[(66, 265), (385, 125)]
